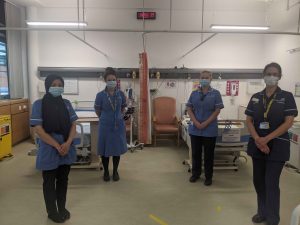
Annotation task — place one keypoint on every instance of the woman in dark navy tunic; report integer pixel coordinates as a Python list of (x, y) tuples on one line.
[(109, 106), (54, 121), (270, 113)]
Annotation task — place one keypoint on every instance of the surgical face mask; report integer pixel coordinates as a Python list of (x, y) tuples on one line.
[(56, 91), (204, 82), (111, 84), (271, 80)]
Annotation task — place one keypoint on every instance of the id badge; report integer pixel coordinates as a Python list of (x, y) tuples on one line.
[(264, 125)]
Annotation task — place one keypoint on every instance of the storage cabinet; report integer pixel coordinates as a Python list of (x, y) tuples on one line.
[(18, 110), (4, 107), (19, 120)]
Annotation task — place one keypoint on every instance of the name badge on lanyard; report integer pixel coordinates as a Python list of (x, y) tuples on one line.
[(266, 125)]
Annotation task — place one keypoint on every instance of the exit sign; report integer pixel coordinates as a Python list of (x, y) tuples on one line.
[(146, 15)]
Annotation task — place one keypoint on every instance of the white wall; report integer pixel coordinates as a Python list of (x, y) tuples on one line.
[(276, 46), (58, 48)]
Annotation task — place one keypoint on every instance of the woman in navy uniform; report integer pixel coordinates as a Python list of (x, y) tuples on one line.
[(54, 121), (270, 113), (203, 107), (109, 106)]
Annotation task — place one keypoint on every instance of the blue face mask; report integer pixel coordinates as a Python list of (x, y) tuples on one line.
[(111, 84), (204, 82), (56, 91)]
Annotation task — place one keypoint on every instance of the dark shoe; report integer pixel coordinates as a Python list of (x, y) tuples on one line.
[(116, 176), (106, 177), (194, 178), (258, 219), (55, 217), (65, 214), (208, 182)]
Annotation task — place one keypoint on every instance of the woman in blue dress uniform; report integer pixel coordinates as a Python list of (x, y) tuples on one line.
[(203, 107), (270, 113), (109, 106), (54, 121)]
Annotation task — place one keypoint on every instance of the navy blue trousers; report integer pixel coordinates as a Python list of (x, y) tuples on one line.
[(266, 176)]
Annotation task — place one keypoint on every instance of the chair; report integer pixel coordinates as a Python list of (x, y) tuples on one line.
[(165, 120)]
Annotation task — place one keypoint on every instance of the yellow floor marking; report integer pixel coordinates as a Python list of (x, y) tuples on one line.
[(157, 220)]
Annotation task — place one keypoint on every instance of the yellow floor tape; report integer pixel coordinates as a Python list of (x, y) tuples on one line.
[(157, 220)]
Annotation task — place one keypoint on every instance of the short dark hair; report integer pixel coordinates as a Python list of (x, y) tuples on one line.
[(109, 71), (275, 65)]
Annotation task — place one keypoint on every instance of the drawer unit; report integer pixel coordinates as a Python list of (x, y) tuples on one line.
[(5, 107), (18, 106), (18, 110), (20, 127)]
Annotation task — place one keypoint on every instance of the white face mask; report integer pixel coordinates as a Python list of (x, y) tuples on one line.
[(271, 80)]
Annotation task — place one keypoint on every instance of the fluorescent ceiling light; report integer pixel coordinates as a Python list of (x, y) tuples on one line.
[(234, 27), (293, 50), (62, 24)]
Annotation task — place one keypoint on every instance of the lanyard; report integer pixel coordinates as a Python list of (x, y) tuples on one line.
[(202, 95), (267, 107), (113, 106)]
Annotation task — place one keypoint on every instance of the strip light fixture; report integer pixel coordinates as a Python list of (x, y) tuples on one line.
[(293, 50), (56, 24), (238, 27)]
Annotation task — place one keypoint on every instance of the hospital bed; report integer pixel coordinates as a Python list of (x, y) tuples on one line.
[(232, 139), (87, 129), (86, 136)]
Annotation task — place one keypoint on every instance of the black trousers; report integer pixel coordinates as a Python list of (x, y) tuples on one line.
[(55, 187), (208, 143), (266, 176), (105, 162)]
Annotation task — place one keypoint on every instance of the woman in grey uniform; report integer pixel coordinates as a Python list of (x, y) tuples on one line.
[(270, 113)]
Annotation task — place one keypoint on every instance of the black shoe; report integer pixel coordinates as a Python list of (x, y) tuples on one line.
[(55, 217), (258, 219), (194, 178), (65, 214), (106, 177), (208, 182), (116, 176)]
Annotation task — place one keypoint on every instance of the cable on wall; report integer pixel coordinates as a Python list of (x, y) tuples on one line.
[(197, 46), (88, 44), (171, 9), (299, 20), (202, 20), (83, 16)]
